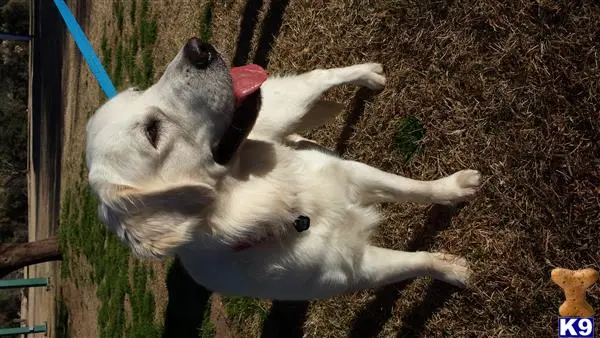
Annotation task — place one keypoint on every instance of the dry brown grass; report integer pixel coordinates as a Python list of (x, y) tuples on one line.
[(158, 287), (510, 88), (177, 20)]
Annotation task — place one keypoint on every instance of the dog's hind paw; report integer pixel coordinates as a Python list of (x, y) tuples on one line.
[(452, 269), (371, 76)]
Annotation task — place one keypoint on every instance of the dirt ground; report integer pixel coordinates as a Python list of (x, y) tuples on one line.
[(509, 88)]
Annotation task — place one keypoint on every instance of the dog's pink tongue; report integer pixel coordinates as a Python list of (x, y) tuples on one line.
[(246, 80)]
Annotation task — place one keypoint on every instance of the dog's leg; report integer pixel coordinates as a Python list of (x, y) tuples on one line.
[(374, 185), (289, 103), (384, 266)]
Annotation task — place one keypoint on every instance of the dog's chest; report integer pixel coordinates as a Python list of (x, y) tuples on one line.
[(260, 200), (275, 185)]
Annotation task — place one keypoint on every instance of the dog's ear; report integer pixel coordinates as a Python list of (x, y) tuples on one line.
[(155, 223), (241, 124)]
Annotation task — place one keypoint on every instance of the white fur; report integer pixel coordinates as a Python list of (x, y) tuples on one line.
[(176, 200)]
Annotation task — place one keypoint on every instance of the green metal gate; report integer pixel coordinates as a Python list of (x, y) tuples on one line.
[(23, 283)]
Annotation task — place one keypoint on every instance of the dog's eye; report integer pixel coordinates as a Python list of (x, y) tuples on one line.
[(152, 131)]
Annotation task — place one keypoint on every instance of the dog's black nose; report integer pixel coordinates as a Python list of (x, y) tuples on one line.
[(199, 53)]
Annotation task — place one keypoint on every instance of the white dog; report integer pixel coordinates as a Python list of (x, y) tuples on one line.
[(203, 165)]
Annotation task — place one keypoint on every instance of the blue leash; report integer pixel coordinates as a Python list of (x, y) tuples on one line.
[(86, 49)]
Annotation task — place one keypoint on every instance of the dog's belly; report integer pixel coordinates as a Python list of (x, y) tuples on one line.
[(310, 270), (319, 263)]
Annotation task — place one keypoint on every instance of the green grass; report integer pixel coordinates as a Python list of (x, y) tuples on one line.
[(147, 27), (106, 55), (147, 70), (83, 235), (121, 61), (142, 303), (408, 136), (205, 33), (119, 14), (207, 329), (106, 52), (148, 31), (132, 10), (242, 309), (130, 53)]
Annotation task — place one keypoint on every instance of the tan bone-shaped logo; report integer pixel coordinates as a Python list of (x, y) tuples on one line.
[(574, 284)]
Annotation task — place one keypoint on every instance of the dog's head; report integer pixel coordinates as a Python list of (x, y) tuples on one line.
[(154, 156)]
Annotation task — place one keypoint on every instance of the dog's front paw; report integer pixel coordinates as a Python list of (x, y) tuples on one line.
[(451, 269), (371, 76), (458, 187), (468, 183)]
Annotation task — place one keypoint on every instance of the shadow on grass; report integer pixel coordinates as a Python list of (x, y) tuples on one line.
[(370, 321), (247, 27), (62, 320), (417, 316), (188, 304), (270, 30), (285, 319), (357, 109)]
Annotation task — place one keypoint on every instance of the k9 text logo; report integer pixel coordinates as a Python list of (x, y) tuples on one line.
[(575, 327)]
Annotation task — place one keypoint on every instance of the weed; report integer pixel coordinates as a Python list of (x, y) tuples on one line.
[(147, 70), (106, 52), (119, 60), (241, 309), (206, 23), (132, 10), (408, 136), (118, 12)]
